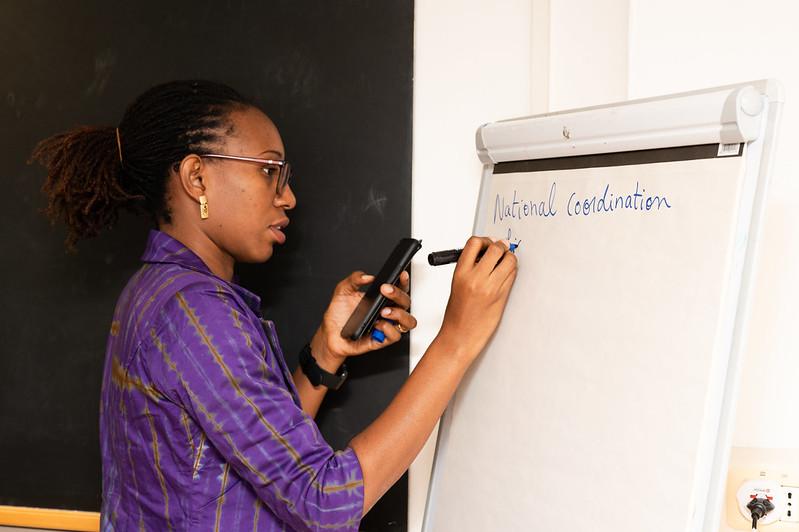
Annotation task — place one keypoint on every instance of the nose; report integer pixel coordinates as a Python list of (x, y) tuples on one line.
[(286, 199)]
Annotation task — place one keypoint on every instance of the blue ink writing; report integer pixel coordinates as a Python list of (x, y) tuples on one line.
[(520, 208), (608, 203), (611, 200)]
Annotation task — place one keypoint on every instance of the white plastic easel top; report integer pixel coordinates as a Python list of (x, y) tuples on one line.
[(721, 115)]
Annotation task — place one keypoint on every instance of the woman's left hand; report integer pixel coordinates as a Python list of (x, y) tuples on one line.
[(329, 346)]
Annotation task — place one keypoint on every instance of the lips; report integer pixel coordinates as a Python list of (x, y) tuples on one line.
[(277, 230)]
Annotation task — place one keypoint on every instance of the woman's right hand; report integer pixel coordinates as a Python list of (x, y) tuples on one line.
[(480, 290)]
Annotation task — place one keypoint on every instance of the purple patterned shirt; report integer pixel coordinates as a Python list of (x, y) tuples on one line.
[(201, 426)]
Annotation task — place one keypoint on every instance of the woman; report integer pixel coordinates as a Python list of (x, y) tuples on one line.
[(202, 425)]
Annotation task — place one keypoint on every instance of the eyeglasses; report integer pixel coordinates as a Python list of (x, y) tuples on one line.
[(284, 168)]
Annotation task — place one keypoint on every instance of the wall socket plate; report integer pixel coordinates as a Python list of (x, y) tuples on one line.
[(791, 513), (780, 465), (763, 488)]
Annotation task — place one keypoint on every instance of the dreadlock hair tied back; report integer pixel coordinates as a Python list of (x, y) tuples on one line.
[(95, 172)]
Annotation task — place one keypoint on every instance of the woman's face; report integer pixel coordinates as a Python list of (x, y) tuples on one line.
[(246, 215)]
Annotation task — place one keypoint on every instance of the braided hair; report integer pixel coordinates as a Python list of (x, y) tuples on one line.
[(94, 172)]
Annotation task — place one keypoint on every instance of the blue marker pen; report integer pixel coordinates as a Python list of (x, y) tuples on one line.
[(439, 258), (380, 336)]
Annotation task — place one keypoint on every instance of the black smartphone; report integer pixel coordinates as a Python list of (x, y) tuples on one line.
[(367, 311)]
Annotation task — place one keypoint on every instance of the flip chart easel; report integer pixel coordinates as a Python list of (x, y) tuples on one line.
[(605, 400)]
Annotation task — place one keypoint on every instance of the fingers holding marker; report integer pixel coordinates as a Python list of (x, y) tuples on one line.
[(401, 318), (485, 268), (507, 266), (478, 250), (492, 256), (471, 251), (389, 328), (384, 333), (394, 324)]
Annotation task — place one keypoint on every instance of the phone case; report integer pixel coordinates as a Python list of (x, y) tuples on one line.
[(367, 311)]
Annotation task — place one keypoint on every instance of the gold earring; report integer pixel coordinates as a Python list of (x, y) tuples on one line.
[(203, 207)]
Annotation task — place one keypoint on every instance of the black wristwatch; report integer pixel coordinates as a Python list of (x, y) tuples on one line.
[(319, 376)]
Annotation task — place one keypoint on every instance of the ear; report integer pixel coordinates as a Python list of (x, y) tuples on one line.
[(189, 174)]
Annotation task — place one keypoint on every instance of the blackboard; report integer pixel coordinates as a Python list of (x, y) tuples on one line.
[(336, 77)]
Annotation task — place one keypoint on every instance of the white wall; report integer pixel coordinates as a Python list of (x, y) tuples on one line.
[(479, 61), (472, 65), (681, 45), (685, 44), (587, 52)]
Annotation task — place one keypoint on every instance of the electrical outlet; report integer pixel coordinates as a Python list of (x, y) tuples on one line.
[(763, 464), (763, 489), (791, 513)]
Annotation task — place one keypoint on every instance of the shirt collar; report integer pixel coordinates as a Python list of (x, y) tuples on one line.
[(162, 248)]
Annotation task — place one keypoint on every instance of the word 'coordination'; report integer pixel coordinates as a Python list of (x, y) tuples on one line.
[(608, 202)]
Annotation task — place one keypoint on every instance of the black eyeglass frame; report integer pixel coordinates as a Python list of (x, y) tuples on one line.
[(284, 174)]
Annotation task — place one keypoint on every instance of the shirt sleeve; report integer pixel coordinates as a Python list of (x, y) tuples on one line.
[(212, 362)]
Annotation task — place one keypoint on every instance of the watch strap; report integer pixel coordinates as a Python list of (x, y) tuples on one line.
[(317, 375)]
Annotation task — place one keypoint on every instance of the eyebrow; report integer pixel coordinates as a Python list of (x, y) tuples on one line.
[(279, 154)]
